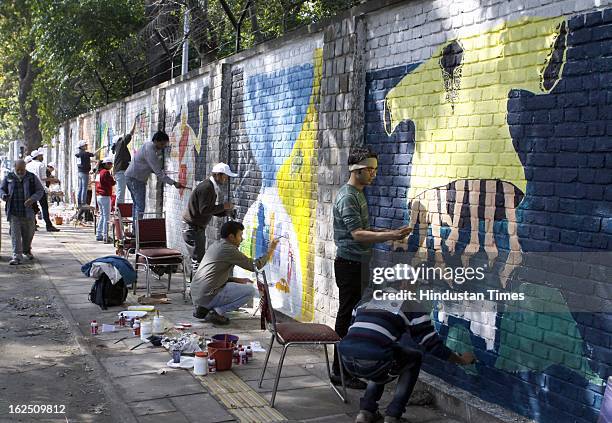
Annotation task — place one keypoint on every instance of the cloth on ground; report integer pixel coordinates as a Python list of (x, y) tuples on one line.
[(120, 264)]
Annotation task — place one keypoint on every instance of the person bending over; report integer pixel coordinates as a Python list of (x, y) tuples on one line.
[(386, 340)]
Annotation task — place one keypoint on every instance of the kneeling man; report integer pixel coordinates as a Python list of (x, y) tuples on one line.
[(213, 291)]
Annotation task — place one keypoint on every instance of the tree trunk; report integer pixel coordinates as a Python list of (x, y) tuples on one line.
[(255, 29), (28, 107)]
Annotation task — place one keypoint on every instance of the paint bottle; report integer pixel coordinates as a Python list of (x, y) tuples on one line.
[(136, 327), (200, 363), (212, 365), (122, 320), (94, 327), (249, 352), (243, 357)]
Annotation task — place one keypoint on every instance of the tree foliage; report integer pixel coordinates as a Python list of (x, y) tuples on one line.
[(60, 58)]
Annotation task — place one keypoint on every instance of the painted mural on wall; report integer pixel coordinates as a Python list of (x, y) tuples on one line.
[(186, 125), (491, 149), (139, 111), (108, 126), (281, 122)]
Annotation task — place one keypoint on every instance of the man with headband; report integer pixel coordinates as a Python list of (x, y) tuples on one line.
[(354, 237)]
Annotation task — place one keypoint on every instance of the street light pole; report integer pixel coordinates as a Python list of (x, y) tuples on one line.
[(185, 64)]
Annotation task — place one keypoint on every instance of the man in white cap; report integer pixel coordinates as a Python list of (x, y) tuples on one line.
[(204, 202), (38, 168), (84, 167)]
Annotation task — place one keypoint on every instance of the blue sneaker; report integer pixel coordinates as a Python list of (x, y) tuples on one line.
[(99, 238)]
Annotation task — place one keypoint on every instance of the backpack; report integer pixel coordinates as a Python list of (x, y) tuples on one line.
[(105, 294)]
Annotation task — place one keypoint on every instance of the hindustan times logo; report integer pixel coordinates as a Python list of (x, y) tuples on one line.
[(402, 271)]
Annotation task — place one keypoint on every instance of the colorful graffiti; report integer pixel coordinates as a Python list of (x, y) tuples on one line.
[(187, 138), (489, 150), (142, 119), (281, 122)]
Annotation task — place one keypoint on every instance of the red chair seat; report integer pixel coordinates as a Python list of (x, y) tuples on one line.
[(160, 255), (306, 332)]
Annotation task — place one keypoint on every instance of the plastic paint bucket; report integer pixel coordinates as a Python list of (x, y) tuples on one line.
[(226, 337), (222, 353), (145, 330)]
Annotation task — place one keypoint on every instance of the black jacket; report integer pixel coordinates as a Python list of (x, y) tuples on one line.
[(122, 153), (201, 206)]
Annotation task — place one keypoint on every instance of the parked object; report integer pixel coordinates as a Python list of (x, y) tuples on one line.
[(105, 294)]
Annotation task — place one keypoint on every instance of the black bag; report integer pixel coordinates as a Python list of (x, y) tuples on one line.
[(105, 294)]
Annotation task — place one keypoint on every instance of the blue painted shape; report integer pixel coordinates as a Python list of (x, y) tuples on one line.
[(275, 105), (262, 234)]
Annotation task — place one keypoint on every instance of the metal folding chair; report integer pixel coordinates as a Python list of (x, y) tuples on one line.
[(293, 333)]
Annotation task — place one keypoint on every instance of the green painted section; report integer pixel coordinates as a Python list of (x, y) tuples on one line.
[(532, 338)]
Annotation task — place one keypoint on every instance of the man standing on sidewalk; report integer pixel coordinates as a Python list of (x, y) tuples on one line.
[(123, 157), (354, 237), (21, 189), (38, 168), (147, 160), (84, 167), (204, 202)]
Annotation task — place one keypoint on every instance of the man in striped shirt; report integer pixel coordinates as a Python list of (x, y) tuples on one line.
[(354, 237), (385, 340)]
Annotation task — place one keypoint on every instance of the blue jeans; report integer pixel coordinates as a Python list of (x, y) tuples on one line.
[(104, 204), (120, 186), (138, 190), (406, 362), (231, 297), (83, 184)]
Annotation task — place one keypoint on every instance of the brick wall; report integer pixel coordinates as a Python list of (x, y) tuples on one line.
[(489, 124), (186, 122), (492, 121)]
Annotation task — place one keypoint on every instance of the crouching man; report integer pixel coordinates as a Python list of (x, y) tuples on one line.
[(21, 190), (213, 291), (386, 340)]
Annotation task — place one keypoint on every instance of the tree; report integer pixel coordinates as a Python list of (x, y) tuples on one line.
[(19, 110)]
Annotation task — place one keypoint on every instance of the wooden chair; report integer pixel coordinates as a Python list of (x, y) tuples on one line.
[(151, 250), (293, 333)]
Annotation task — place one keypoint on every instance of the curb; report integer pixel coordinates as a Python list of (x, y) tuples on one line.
[(464, 405)]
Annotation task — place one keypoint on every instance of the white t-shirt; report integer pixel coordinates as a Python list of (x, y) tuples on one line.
[(40, 170)]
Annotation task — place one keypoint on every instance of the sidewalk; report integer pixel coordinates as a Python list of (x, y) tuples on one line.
[(134, 390)]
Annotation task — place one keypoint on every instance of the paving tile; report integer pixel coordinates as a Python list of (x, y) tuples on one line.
[(336, 418), (248, 373), (127, 365), (175, 417), (201, 408), (309, 403), (150, 386), (156, 406), (288, 383)]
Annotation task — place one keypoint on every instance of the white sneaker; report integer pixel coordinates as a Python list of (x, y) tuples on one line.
[(15, 261), (29, 256)]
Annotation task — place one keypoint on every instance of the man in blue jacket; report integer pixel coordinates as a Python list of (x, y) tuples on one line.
[(21, 190), (386, 340)]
